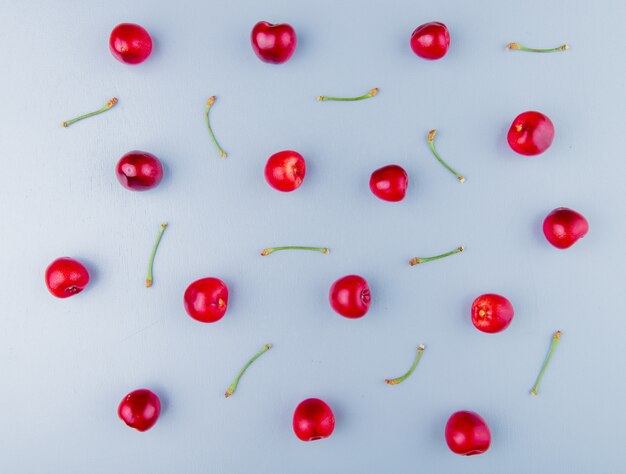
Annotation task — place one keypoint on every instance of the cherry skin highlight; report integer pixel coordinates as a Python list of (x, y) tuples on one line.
[(467, 433), (285, 170), (140, 409), (389, 183), (273, 44), (66, 277), (130, 43), (563, 227), (430, 40), (139, 171), (206, 300), (531, 133), (350, 296), (313, 419), (492, 313)]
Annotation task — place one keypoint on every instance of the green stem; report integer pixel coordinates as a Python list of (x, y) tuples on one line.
[(431, 144), (417, 260), (402, 378), (209, 104), (370, 94), (270, 250), (106, 107), (154, 250), (555, 340), (233, 386), (519, 47)]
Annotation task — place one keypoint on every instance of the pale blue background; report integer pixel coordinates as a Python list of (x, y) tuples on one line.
[(65, 364)]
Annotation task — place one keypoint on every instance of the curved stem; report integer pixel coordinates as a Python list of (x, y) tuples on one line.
[(519, 47), (402, 378), (417, 260), (154, 250), (270, 250), (233, 386), (555, 340), (106, 107), (209, 104), (431, 144), (370, 94)]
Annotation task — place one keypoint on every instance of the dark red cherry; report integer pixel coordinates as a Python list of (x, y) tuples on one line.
[(273, 43), (130, 43), (389, 183), (139, 171), (430, 40), (563, 227)]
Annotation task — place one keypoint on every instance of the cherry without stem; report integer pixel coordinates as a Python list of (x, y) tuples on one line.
[(492, 313), (467, 433), (430, 40), (389, 183), (139, 171), (66, 277), (563, 227), (206, 300), (285, 170), (350, 296), (130, 43), (273, 43), (313, 419), (140, 409), (531, 133)]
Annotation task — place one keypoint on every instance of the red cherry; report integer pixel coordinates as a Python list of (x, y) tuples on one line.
[(130, 43), (430, 40), (531, 133), (206, 300), (66, 277), (285, 170), (389, 183), (467, 433), (139, 171), (273, 43), (350, 296), (563, 227), (492, 313), (313, 419), (140, 409)]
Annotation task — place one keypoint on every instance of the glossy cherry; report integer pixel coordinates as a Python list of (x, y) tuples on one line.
[(531, 133), (140, 409), (285, 170), (273, 43), (563, 227), (492, 313), (130, 43), (139, 171), (467, 433), (389, 183), (350, 296), (313, 419), (66, 277), (430, 40), (206, 300)]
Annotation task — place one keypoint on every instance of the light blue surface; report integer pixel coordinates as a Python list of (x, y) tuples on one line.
[(65, 364)]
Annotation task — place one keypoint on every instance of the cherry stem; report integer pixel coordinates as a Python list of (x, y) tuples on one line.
[(270, 250), (369, 95), (431, 144), (233, 386), (106, 107), (154, 250), (402, 378), (417, 260), (209, 104), (519, 47), (555, 340)]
